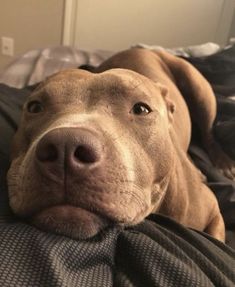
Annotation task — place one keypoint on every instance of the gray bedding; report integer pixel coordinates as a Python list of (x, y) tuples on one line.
[(34, 66)]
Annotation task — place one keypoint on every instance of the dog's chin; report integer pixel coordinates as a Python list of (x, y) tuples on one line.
[(74, 222)]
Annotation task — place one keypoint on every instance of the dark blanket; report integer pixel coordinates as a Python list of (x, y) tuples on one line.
[(219, 69), (158, 252), (11, 101)]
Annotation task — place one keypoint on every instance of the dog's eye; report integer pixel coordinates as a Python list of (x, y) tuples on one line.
[(34, 107), (141, 109)]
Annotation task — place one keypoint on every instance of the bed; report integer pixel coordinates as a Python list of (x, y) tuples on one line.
[(157, 252)]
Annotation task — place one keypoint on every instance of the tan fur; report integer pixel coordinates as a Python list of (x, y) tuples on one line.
[(142, 164)]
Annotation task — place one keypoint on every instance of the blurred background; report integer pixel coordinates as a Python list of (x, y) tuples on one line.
[(112, 24)]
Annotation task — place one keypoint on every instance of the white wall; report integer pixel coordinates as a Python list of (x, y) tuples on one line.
[(232, 30), (32, 24), (117, 24)]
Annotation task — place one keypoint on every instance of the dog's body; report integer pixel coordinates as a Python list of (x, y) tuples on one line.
[(110, 148)]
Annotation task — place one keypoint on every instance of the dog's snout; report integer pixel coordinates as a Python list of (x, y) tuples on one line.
[(73, 148)]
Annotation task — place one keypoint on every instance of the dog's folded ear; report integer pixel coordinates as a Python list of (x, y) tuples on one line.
[(170, 105), (193, 86)]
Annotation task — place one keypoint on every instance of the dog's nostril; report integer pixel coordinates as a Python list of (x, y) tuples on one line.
[(47, 153), (85, 154)]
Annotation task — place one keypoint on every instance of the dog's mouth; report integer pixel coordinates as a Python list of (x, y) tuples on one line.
[(72, 221)]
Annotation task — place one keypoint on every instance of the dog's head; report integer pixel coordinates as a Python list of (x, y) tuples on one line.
[(91, 150)]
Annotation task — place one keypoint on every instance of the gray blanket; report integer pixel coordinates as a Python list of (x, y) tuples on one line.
[(158, 252)]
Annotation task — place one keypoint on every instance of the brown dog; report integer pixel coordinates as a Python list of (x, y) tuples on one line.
[(111, 148)]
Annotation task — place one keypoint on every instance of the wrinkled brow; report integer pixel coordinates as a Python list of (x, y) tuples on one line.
[(115, 86)]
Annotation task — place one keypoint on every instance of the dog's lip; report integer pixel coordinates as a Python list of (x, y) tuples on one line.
[(69, 220), (71, 209)]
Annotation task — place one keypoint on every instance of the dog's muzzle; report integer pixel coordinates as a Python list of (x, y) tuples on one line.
[(68, 150)]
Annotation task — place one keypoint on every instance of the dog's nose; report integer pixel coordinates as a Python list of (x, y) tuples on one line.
[(72, 148)]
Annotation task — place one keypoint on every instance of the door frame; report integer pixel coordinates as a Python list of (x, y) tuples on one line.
[(69, 22)]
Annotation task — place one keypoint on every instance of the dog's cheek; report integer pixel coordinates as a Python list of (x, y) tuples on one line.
[(160, 148), (140, 205), (28, 191), (19, 145), (14, 180), (161, 155)]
